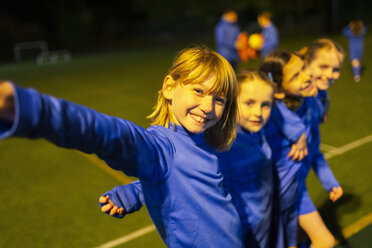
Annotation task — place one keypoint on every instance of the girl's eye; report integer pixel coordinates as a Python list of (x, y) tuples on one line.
[(199, 91), (249, 103), (266, 105), (220, 100)]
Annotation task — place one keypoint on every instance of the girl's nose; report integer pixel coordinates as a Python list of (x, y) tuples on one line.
[(207, 104), (257, 111)]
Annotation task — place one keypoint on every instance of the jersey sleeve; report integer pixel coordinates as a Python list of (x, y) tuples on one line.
[(129, 196), (324, 172), (121, 144), (288, 122)]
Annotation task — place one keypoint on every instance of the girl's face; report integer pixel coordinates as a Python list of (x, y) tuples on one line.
[(192, 106), (297, 81), (254, 102), (324, 66)]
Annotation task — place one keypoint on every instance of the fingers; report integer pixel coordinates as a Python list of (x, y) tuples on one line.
[(110, 207), (335, 194), (114, 210), (106, 207), (104, 199)]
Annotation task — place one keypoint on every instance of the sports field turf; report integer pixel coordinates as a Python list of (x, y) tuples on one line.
[(50, 195)]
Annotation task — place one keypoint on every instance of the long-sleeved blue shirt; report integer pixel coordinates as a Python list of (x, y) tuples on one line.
[(356, 42), (248, 175), (179, 173), (311, 112), (282, 130), (271, 40), (226, 34)]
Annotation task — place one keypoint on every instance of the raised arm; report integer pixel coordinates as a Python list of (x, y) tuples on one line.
[(7, 108), (122, 200)]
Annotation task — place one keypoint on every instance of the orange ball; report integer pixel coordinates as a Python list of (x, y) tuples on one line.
[(255, 41)]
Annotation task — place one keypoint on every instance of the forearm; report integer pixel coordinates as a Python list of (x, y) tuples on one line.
[(129, 197), (324, 172), (7, 107)]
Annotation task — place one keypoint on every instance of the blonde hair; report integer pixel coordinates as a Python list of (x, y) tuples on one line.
[(195, 65), (309, 52), (249, 75)]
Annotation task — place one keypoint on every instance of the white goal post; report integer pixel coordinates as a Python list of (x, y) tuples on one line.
[(38, 47)]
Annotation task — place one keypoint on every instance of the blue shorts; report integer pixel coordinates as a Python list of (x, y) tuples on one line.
[(304, 205)]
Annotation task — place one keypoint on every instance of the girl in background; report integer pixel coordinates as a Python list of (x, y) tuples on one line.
[(269, 33), (293, 84), (324, 58), (355, 32), (175, 159)]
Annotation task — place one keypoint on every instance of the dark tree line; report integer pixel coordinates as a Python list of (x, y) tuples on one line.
[(92, 24)]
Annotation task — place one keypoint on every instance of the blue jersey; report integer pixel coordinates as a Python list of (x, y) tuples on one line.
[(248, 175), (283, 129), (311, 112), (179, 173), (226, 34), (325, 102), (356, 42), (271, 40)]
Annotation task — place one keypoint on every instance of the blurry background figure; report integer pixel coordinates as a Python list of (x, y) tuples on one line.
[(355, 32), (226, 34), (269, 33)]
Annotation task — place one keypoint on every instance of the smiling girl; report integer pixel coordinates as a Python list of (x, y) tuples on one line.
[(175, 159), (282, 130)]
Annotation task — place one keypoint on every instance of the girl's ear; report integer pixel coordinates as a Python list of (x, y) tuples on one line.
[(168, 87), (279, 95)]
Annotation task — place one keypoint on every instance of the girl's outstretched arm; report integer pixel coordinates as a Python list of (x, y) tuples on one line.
[(7, 108), (121, 144)]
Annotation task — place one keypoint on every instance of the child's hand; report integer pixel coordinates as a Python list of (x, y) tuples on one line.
[(335, 194), (7, 108), (110, 206), (299, 150), (325, 118)]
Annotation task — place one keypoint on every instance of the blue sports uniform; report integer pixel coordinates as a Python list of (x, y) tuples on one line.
[(356, 46), (283, 129), (226, 34), (179, 173), (311, 112), (271, 40), (356, 42), (325, 101), (248, 175)]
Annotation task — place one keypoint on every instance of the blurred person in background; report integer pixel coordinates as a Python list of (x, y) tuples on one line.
[(226, 34), (269, 33), (355, 32)]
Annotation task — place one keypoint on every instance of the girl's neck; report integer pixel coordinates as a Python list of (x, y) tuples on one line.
[(293, 102)]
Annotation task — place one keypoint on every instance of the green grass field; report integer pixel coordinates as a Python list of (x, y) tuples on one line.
[(50, 195)]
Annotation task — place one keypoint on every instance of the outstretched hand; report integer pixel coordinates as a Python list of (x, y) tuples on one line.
[(7, 109), (299, 149), (336, 193), (110, 206)]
